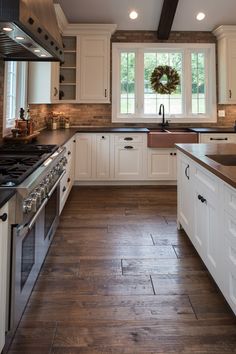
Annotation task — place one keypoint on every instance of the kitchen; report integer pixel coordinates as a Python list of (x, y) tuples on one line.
[(97, 204)]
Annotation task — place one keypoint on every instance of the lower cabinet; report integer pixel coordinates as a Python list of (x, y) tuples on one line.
[(128, 161), (211, 225), (107, 156), (3, 272), (162, 164), (68, 179)]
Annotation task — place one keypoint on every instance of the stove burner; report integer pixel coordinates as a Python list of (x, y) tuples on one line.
[(32, 149), (9, 184)]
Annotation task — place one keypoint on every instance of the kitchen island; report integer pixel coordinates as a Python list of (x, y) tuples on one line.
[(207, 208)]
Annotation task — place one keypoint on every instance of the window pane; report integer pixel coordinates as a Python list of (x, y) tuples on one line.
[(198, 83), (174, 102), (127, 83), (11, 93)]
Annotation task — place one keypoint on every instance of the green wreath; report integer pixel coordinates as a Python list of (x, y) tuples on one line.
[(164, 79)]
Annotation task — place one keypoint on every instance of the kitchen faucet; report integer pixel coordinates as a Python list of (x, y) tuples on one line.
[(164, 122)]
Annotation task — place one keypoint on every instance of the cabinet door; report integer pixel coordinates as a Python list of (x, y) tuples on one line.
[(128, 162), (94, 73), (232, 70), (83, 157), (43, 82), (161, 164), (185, 195), (206, 236), (3, 274), (102, 156)]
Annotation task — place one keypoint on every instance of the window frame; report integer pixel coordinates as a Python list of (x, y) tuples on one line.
[(186, 82), (21, 93)]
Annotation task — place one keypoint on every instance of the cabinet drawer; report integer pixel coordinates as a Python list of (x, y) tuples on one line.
[(218, 138), (230, 200), (129, 138), (69, 149)]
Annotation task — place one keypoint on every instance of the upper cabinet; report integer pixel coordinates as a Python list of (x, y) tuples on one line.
[(95, 69), (84, 77), (226, 36)]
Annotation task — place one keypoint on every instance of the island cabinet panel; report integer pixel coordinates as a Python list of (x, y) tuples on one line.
[(162, 164), (102, 156), (230, 245), (3, 273), (211, 225), (185, 190)]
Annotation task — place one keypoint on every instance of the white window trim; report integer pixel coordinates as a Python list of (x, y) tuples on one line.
[(186, 48), (21, 87)]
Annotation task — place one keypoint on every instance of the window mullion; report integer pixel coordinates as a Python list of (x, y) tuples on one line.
[(140, 83), (187, 87)]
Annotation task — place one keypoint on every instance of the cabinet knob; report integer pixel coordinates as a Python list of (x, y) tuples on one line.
[(68, 180), (105, 92), (230, 93), (64, 189), (171, 153), (201, 198), (3, 217), (103, 137), (69, 153)]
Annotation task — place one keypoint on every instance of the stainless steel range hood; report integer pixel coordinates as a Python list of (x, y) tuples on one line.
[(29, 31)]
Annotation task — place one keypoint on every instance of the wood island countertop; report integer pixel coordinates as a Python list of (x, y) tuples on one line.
[(198, 153)]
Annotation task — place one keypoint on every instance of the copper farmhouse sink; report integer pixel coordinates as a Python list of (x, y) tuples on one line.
[(164, 138)]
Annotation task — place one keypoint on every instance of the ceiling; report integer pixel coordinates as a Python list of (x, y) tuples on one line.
[(218, 12)]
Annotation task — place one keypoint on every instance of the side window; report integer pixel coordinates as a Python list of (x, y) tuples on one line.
[(15, 92)]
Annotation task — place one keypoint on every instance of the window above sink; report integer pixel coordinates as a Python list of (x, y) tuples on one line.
[(133, 99)]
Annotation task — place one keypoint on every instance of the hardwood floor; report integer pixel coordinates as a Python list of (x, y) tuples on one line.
[(120, 279)]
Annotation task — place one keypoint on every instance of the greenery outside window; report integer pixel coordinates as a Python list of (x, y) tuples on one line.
[(15, 92), (133, 99)]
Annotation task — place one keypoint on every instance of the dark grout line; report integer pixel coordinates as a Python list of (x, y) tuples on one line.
[(175, 251), (152, 240), (53, 339), (121, 263)]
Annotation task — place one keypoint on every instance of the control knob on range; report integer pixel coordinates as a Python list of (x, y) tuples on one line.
[(27, 206), (42, 191), (35, 201)]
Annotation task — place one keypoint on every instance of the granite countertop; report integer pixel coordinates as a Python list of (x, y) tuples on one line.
[(198, 153), (213, 130), (5, 195)]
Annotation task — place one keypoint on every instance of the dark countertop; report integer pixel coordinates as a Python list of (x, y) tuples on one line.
[(213, 130), (5, 195), (61, 136), (198, 153)]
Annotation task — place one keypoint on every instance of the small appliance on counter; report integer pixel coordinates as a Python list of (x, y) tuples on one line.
[(57, 121)]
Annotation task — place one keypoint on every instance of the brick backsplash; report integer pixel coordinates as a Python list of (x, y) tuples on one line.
[(100, 114)]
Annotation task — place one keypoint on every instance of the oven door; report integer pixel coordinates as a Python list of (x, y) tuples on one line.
[(27, 254)]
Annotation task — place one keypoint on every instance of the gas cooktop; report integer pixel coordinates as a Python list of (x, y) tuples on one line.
[(19, 161)]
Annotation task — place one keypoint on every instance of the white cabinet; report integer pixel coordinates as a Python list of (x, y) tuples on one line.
[(162, 164), (3, 272), (68, 179), (94, 69), (206, 138), (226, 36), (83, 156), (110, 157), (102, 156), (229, 248), (43, 82), (206, 237), (185, 191)]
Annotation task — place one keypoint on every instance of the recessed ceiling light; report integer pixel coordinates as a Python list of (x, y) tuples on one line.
[(20, 38), (7, 29), (133, 15), (43, 55), (200, 16), (37, 50)]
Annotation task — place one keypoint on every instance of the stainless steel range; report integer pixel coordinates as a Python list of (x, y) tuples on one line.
[(35, 172)]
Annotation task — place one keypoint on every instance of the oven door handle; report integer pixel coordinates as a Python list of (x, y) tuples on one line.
[(56, 184), (31, 224)]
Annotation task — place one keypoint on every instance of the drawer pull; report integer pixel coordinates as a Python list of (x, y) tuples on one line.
[(64, 189), (3, 217), (68, 180), (129, 147), (186, 171), (69, 153), (128, 138), (230, 93), (218, 138)]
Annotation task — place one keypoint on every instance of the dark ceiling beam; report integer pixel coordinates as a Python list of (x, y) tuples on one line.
[(167, 17)]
